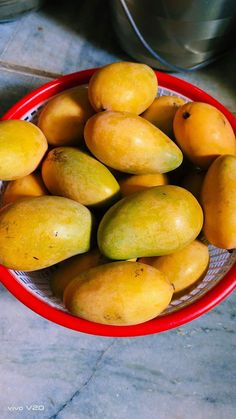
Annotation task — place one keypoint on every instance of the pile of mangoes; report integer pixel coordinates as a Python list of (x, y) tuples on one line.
[(115, 185)]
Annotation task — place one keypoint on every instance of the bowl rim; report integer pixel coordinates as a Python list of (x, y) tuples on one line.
[(160, 324)]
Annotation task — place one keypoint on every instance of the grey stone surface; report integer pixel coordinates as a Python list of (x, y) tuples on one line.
[(185, 373)]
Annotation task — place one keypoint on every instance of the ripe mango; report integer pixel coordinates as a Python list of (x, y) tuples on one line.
[(74, 174), (218, 199), (203, 133), (124, 86), (137, 183), (39, 232), (22, 147), (162, 111), (130, 144), (72, 267), (184, 267), (30, 185), (63, 118), (154, 222), (119, 293)]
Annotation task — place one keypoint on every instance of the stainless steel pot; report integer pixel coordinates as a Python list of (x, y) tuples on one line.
[(11, 9), (175, 34)]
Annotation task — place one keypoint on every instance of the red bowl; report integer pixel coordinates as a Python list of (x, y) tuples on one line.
[(166, 322)]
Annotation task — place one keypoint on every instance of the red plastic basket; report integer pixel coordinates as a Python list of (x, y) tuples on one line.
[(202, 299)]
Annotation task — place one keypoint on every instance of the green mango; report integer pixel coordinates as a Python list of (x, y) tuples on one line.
[(153, 222)]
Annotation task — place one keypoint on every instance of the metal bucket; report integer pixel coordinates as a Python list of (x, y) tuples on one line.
[(175, 35), (12, 9)]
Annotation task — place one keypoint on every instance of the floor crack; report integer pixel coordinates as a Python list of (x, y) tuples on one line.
[(85, 384), (37, 72)]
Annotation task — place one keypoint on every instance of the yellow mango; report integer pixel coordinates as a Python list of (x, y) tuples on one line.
[(123, 86), (119, 293), (203, 133), (130, 144), (22, 147), (72, 267), (218, 199), (137, 183), (39, 232), (193, 183), (30, 185), (162, 111), (182, 268), (63, 118), (153, 222), (74, 174)]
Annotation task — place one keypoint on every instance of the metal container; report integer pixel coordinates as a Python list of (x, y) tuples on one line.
[(12, 9), (168, 34)]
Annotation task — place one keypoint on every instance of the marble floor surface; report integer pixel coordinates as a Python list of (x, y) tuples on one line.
[(189, 372)]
